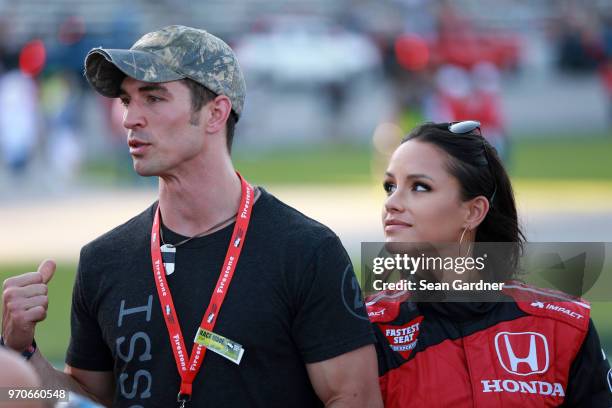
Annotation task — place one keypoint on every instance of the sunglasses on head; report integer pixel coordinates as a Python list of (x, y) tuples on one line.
[(466, 126), (469, 126)]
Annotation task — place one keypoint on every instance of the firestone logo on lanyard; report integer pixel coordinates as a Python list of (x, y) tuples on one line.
[(189, 367)]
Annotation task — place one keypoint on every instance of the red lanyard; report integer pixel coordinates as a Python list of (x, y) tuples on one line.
[(188, 367)]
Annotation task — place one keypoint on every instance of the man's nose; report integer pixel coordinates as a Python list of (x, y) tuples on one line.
[(133, 118)]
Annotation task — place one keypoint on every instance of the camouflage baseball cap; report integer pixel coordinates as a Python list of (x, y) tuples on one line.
[(172, 53)]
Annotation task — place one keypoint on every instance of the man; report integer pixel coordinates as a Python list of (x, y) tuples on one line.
[(286, 329)]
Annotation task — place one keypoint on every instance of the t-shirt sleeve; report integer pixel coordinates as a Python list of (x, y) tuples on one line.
[(590, 379), (87, 349), (331, 317)]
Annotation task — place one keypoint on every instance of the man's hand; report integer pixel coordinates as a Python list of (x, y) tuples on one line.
[(24, 303)]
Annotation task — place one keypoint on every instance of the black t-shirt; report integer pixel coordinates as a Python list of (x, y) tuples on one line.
[(292, 301)]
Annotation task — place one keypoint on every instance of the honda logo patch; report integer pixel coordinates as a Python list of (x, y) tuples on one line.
[(522, 353)]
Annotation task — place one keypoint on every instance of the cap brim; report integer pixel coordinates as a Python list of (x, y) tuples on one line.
[(105, 69)]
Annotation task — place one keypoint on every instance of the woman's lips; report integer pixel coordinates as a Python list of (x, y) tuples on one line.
[(396, 225)]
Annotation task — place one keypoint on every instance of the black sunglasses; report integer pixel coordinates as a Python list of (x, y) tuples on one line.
[(469, 126)]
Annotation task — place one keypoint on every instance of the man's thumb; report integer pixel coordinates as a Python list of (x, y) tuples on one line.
[(46, 269)]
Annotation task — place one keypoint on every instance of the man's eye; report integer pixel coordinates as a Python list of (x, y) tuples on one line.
[(389, 187), (153, 99), (420, 187)]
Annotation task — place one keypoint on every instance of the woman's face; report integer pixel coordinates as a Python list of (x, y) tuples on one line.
[(423, 199)]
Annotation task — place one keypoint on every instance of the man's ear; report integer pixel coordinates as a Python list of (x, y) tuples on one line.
[(477, 209), (219, 110)]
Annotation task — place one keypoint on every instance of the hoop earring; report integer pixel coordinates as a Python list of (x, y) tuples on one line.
[(461, 242), (462, 235)]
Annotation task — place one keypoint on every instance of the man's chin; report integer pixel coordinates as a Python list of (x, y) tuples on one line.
[(143, 171)]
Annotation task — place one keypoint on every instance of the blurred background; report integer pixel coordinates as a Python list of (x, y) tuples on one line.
[(332, 86)]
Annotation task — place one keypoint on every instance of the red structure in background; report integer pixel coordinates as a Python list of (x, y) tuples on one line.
[(32, 58), (458, 43)]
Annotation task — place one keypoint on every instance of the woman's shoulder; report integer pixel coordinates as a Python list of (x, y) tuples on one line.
[(549, 304)]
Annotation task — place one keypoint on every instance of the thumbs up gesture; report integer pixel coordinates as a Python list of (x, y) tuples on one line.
[(24, 303)]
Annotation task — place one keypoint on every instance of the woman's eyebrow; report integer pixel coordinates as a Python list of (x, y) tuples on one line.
[(411, 176), (418, 176)]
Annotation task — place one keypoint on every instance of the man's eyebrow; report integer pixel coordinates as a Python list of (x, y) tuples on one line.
[(154, 87), (146, 88)]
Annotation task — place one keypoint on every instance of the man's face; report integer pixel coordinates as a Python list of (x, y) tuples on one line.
[(162, 136)]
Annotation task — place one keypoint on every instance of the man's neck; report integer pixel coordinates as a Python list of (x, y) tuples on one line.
[(195, 201)]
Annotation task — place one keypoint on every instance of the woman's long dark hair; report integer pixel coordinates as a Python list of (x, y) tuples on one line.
[(480, 172)]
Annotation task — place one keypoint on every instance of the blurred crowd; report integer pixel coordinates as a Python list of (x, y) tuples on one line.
[(44, 101), (422, 60)]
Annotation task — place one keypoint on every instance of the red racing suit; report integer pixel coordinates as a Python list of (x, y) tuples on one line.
[(538, 349)]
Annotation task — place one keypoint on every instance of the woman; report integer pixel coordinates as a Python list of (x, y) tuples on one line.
[(445, 183)]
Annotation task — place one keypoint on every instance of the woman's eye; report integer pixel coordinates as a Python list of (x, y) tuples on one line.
[(389, 187), (420, 187)]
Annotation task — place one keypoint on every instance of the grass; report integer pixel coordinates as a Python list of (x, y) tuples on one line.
[(587, 158), (328, 165)]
